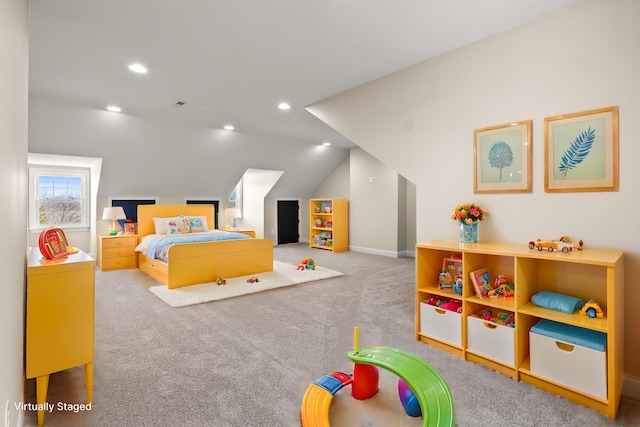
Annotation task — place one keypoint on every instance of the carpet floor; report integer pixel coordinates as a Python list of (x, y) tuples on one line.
[(247, 361)]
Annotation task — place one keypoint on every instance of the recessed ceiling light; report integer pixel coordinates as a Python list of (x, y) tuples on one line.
[(326, 143), (229, 127), (114, 108), (138, 68), (284, 106)]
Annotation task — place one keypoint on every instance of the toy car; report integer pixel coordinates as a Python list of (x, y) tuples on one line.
[(592, 309), (563, 244)]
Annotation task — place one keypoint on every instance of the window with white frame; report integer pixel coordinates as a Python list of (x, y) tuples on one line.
[(59, 197)]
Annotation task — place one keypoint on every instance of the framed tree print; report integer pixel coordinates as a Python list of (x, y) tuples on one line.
[(581, 151), (502, 158)]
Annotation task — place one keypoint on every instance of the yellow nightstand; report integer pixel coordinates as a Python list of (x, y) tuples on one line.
[(116, 252), (59, 319)]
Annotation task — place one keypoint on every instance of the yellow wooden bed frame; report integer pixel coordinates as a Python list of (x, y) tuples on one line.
[(203, 262)]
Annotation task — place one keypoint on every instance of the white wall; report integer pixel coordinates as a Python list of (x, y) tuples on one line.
[(14, 71), (421, 120), (373, 207), (256, 184), (336, 186), (397, 234)]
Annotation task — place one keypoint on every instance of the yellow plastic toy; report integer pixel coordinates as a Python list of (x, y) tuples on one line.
[(592, 309)]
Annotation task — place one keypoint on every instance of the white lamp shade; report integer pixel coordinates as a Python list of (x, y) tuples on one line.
[(231, 213), (114, 213)]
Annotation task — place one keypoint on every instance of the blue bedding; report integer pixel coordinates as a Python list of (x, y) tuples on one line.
[(159, 247)]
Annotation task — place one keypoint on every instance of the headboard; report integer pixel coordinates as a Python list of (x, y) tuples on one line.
[(146, 213)]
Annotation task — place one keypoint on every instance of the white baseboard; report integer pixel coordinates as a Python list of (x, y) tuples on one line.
[(392, 254), (631, 387)]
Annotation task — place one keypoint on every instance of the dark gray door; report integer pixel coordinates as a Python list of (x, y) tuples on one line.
[(288, 221)]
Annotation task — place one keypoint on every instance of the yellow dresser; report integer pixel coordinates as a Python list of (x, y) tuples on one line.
[(116, 252), (59, 319)]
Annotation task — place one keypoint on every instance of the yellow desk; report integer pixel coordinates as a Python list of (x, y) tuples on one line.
[(60, 319)]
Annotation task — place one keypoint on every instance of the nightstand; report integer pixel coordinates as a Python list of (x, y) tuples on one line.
[(116, 252)]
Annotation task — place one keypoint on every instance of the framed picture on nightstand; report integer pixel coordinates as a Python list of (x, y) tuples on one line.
[(130, 228)]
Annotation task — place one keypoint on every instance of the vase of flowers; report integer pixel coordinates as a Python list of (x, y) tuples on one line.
[(469, 216)]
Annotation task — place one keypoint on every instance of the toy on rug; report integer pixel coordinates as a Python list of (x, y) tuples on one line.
[(253, 279), (221, 281), (307, 264), (421, 389)]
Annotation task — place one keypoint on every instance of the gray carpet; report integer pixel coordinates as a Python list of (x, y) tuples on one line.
[(247, 361)]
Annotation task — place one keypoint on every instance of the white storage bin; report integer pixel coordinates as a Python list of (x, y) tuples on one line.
[(564, 361), (491, 339), (442, 324)]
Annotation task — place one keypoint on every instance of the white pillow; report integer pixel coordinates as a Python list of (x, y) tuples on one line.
[(160, 224)]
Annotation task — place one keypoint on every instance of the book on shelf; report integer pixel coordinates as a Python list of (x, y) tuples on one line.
[(481, 280)]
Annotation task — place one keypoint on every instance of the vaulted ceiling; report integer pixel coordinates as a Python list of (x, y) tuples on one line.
[(233, 62)]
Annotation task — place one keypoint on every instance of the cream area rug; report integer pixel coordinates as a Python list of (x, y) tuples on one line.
[(283, 274)]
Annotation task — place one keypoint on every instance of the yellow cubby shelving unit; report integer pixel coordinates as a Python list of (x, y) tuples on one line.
[(329, 224), (587, 274)]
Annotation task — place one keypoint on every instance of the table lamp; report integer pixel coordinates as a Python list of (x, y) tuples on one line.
[(232, 213), (113, 213)]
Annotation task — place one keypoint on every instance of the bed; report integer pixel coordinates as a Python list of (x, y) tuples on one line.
[(199, 262)]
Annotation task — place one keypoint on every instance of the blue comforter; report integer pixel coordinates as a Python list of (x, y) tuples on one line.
[(159, 247)]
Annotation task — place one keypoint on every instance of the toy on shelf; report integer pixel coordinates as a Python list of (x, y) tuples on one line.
[(307, 264), (317, 223), (221, 281), (506, 319), (253, 279), (450, 274), (457, 287), (421, 389), (445, 304), (564, 244), (502, 287), (592, 309), (445, 281)]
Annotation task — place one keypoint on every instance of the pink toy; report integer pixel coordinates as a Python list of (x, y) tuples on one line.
[(253, 279)]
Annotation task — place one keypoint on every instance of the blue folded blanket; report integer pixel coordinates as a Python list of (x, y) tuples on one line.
[(553, 301), (571, 334)]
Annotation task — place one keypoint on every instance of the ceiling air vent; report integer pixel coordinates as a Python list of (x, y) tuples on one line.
[(179, 104)]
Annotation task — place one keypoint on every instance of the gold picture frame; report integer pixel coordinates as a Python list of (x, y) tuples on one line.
[(502, 158), (581, 151)]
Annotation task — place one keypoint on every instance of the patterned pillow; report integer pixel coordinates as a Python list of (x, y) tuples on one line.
[(178, 226), (198, 224)]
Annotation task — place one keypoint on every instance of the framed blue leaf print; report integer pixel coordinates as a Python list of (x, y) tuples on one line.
[(581, 151), (502, 158)]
